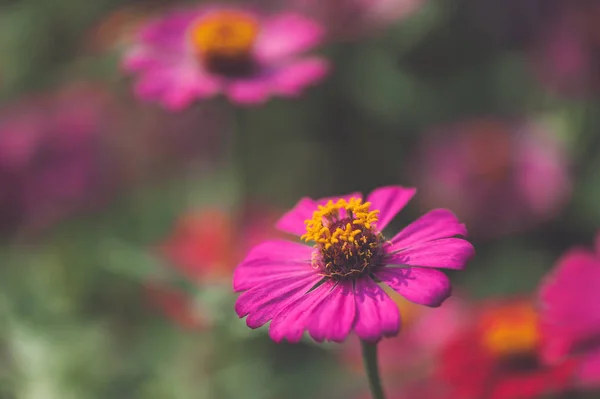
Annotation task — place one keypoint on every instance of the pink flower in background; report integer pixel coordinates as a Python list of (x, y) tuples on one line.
[(348, 19), (570, 315), (197, 53), (53, 158), (500, 176), (332, 288), (567, 51)]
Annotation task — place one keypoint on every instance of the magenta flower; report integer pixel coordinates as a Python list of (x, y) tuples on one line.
[(333, 287), (499, 176), (197, 53), (54, 159), (570, 316), (567, 50)]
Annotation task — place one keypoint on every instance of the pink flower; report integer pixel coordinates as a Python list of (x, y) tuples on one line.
[(197, 53), (53, 156), (568, 49), (332, 288), (570, 316), (500, 176)]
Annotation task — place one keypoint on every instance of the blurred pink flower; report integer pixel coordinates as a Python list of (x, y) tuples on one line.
[(567, 51), (349, 19), (199, 52), (570, 316), (53, 158), (500, 176), (331, 288)]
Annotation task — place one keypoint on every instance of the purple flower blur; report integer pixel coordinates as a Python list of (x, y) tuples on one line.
[(50, 156), (199, 52), (500, 176), (332, 288), (567, 51)]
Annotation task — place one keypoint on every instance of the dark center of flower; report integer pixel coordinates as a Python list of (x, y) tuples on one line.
[(347, 243), (223, 41)]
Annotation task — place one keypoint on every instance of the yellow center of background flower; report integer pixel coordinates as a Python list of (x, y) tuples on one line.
[(512, 330), (225, 34), (323, 229)]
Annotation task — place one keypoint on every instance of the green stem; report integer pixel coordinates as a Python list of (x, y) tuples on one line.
[(240, 151), (369, 352)]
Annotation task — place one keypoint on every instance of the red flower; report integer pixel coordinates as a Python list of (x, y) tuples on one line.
[(497, 357), (204, 248)]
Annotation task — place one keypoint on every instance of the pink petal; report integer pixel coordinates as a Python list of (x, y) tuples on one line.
[(176, 86), (249, 91), (291, 322), (263, 302), (569, 299), (332, 320), (448, 253), (436, 224), (293, 220), (285, 35), (290, 80), (272, 260), (428, 287), (169, 30), (138, 58), (389, 201), (377, 315)]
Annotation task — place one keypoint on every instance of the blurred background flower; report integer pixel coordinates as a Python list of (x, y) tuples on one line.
[(193, 54), (55, 156), (501, 176), (121, 221), (569, 318)]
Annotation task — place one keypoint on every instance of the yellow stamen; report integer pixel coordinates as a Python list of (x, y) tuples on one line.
[(225, 33), (318, 228)]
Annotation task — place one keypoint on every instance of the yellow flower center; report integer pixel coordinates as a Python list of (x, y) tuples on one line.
[(345, 237), (224, 40), (512, 331)]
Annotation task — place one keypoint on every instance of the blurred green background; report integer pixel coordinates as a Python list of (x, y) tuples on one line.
[(77, 319)]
